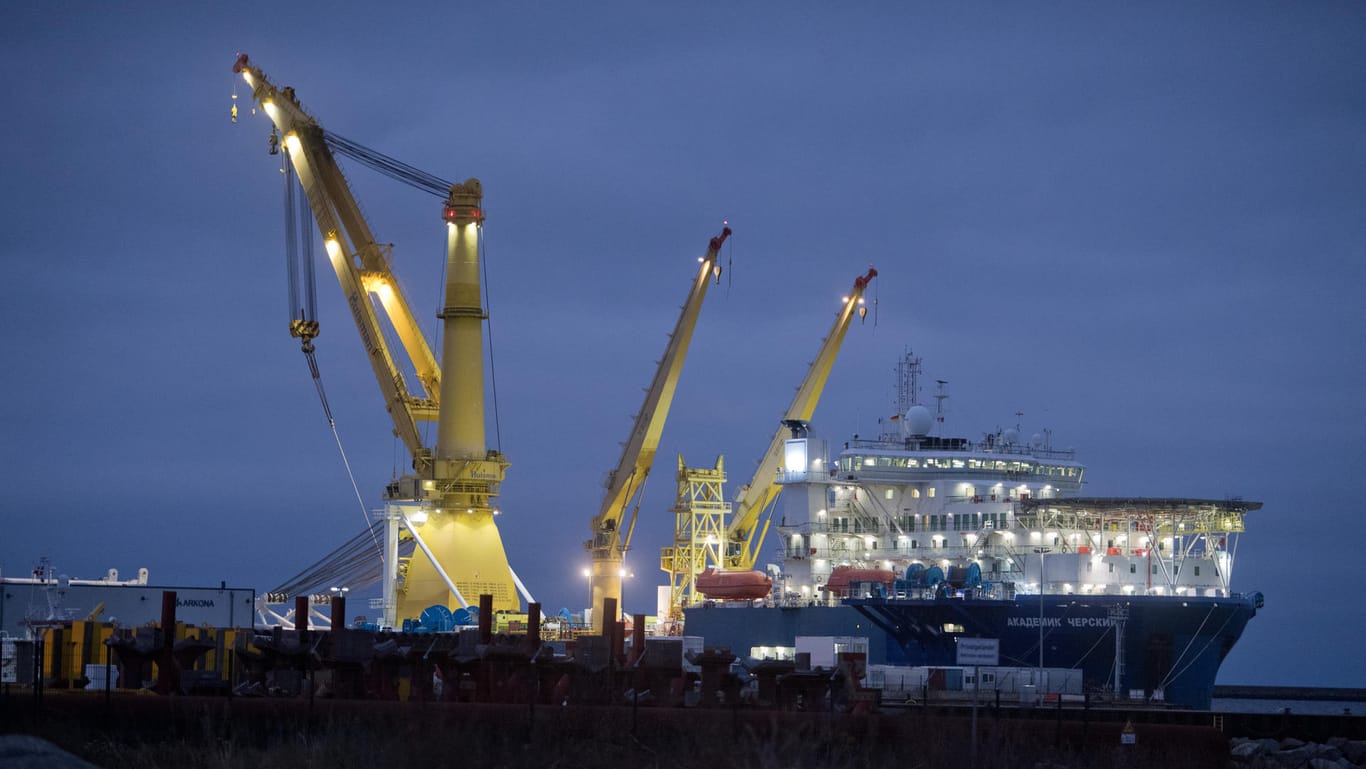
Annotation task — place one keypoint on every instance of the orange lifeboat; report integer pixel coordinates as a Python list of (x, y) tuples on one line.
[(734, 585), (843, 576)]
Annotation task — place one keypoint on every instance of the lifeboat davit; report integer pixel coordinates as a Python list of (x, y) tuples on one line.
[(734, 585), (844, 576)]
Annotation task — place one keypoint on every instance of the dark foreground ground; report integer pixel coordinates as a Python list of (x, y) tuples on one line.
[(143, 730)]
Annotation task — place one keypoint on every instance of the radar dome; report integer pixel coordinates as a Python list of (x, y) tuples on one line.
[(1011, 436), (1036, 440), (919, 421)]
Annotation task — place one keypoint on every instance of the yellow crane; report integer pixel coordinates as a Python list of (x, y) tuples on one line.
[(745, 534), (616, 519), (713, 558), (449, 496)]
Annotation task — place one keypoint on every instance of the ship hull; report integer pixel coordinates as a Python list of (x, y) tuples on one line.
[(1174, 645)]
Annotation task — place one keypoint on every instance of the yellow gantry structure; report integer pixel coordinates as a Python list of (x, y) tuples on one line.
[(700, 513), (616, 519), (447, 503), (701, 509)]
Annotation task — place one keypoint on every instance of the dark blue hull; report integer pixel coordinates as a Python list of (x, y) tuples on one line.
[(1172, 644)]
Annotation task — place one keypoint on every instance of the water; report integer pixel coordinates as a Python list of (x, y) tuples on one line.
[(1306, 707)]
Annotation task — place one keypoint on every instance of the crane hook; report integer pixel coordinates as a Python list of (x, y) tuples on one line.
[(274, 142)]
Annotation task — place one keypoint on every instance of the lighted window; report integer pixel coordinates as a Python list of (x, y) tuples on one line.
[(930, 491), (887, 494), (915, 493)]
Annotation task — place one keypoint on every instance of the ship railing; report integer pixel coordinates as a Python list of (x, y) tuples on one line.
[(965, 447), (926, 554), (803, 476), (795, 600)]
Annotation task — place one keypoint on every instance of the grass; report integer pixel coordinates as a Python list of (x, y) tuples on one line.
[(149, 732)]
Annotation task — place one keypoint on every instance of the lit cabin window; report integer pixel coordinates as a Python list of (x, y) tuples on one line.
[(915, 493), (888, 494), (930, 492)]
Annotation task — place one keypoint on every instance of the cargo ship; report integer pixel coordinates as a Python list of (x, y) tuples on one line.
[(906, 543)]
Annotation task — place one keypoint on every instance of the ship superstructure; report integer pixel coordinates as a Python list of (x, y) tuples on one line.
[(937, 509), (910, 500)]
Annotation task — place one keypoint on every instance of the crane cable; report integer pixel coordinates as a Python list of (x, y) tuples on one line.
[(332, 423), (493, 373), (308, 313), (390, 167)]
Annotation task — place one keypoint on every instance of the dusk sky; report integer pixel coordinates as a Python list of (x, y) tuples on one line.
[(1141, 225)]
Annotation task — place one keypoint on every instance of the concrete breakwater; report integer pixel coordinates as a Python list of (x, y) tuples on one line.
[(1335, 753), (1321, 693)]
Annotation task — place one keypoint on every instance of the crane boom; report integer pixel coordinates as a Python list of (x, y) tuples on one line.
[(361, 264), (613, 525), (745, 534)]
